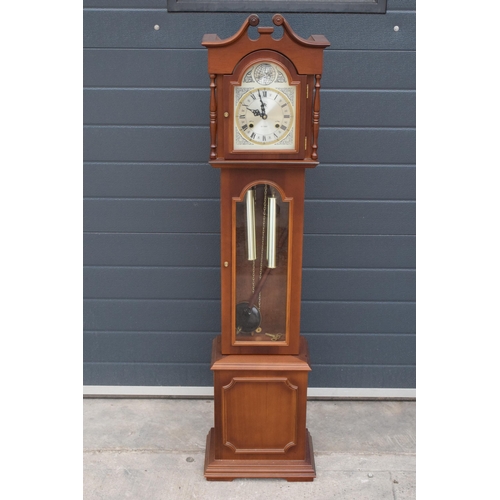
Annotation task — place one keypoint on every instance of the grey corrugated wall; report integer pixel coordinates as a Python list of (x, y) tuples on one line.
[(151, 207)]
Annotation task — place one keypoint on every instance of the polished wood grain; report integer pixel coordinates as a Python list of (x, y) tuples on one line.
[(260, 417), (307, 53), (317, 86), (221, 362), (260, 386), (259, 429), (260, 404), (226, 114), (229, 59), (213, 118), (234, 183), (228, 470)]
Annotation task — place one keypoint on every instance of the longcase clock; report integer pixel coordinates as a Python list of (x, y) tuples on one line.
[(264, 125)]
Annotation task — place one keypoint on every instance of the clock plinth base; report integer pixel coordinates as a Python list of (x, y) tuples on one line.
[(260, 417), (228, 470)]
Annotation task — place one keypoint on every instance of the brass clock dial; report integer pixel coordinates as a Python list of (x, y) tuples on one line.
[(264, 116), (265, 110)]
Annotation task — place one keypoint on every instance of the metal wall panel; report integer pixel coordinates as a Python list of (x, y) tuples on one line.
[(174, 107), (116, 4), (191, 347), (158, 315), (359, 251), (155, 143), (151, 210), (195, 180), (148, 68), (283, 6), (361, 182), (172, 283), (194, 374), (135, 28), (184, 249), (202, 216), (146, 180), (154, 249)]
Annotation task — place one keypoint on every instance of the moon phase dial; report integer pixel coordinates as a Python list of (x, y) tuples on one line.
[(264, 74)]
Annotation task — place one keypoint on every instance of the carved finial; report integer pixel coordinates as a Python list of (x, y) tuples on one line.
[(253, 20), (278, 19)]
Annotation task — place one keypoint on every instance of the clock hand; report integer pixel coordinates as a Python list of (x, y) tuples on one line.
[(262, 106), (255, 112)]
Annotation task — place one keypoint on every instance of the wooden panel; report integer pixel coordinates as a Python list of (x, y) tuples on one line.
[(250, 421), (293, 470), (135, 29), (343, 69)]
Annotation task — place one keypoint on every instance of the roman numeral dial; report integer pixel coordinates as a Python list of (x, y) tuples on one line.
[(264, 116)]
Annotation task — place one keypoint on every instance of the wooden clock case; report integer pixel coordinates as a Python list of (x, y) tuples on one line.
[(260, 387)]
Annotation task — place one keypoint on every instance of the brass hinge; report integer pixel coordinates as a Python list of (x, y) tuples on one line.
[(307, 91), (305, 142)]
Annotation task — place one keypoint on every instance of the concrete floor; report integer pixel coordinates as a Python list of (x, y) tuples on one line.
[(155, 448)]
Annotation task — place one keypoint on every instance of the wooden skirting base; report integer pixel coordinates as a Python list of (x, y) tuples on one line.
[(227, 470)]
